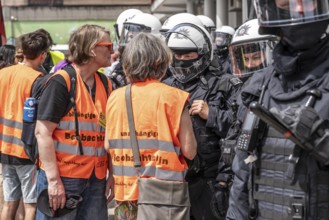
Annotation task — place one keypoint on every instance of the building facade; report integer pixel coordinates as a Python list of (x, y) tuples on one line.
[(60, 17)]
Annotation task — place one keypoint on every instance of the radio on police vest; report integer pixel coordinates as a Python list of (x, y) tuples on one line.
[(251, 128)]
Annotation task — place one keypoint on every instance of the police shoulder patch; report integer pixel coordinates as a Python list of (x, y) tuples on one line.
[(235, 81)]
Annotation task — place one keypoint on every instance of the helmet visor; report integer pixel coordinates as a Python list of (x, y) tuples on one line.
[(276, 13), (221, 39), (186, 70), (248, 58), (131, 30)]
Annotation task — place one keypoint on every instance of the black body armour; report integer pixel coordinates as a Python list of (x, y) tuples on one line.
[(268, 186)]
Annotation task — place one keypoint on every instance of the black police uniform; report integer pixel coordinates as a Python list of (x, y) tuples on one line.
[(224, 62), (219, 92), (266, 188)]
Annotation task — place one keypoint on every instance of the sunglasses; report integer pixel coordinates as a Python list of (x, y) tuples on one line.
[(109, 45)]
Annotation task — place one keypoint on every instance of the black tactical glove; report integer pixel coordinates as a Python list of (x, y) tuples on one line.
[(305, 123), (219, 201), (301, 120), (118, 79)]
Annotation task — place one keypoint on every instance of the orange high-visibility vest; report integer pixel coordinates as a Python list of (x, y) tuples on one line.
[(70, 162), (15, 86), (157, 110)]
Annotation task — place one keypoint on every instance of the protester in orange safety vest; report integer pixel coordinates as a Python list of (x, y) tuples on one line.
[(66, 168), (15, 86), (163, 126)]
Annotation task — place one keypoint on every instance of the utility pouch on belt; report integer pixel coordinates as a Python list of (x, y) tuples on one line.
[(228, 150)]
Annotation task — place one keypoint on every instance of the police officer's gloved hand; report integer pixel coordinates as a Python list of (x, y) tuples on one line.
[(118, 79), (219, 201), (305, 123)]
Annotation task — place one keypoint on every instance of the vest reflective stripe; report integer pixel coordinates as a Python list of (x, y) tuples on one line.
[(11, 123), (145, 144), (83, 126), (70, 163), (12, 140), (149, 171), (72, 149)]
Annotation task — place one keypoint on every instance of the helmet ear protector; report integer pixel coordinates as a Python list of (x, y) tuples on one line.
[(71, 204)]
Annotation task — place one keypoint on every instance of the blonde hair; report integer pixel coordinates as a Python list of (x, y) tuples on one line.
[(145, 57), (83, 40)]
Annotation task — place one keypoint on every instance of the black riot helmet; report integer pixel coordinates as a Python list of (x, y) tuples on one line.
[(278, 13), (301, 24)]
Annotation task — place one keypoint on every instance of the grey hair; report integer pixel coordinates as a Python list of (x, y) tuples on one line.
[(146, 56), (83, 40)]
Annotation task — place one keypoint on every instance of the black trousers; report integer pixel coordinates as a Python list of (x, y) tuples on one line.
[(200, 198)]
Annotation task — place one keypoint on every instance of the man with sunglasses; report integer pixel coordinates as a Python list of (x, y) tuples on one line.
[(71, 140)]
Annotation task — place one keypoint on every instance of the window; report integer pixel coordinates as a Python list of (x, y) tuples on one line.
[(45, 2)]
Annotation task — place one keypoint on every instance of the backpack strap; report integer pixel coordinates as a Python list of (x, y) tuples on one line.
[(104, 81), (71, 72)]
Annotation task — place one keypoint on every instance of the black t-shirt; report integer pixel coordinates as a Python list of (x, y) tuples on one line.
[(54, 100)]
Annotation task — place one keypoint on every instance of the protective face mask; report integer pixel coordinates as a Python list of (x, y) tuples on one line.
[(252, 69), (303, 37), (184, 63)]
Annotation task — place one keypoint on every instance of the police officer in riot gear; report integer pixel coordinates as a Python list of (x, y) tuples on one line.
[(115, 72), (210, 98), (139, 22), (277, 178), (222, 38), (250, 53)]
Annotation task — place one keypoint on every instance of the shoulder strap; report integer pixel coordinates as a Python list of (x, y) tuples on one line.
[(104, 81), (39, 86), (70, 70), (73, 76), (133, 138)]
